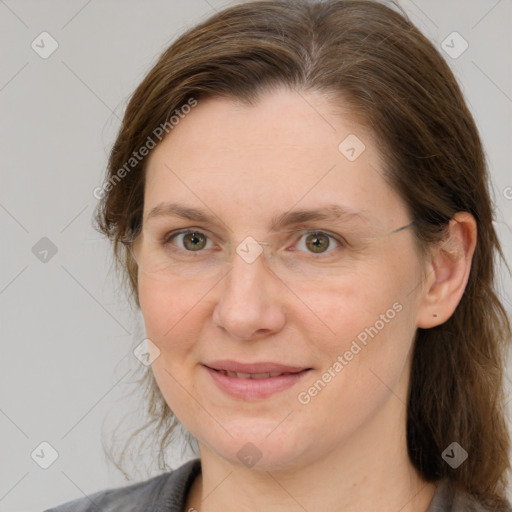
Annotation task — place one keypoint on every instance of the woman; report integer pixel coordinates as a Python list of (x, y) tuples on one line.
[(299, 198)]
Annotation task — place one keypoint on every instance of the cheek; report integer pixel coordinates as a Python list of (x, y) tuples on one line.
[(169, 309), (350, 303), (366, 357), (171, 316), (369, 314)]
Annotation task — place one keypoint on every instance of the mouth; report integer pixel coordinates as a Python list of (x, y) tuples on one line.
[(254, 381), (252, 375), (260, 368)]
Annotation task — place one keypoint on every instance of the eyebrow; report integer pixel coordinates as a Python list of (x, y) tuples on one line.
[(328, 212)]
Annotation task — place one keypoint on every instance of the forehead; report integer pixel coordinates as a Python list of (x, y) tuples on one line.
[(287, 148), (280, 122)]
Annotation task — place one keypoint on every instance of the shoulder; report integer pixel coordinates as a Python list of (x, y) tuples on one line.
[(449, 499), (163, 492)]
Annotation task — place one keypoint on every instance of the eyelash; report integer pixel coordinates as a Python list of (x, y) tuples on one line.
[(167, 240)]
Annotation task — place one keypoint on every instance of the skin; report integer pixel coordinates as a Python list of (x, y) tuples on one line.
[(345, 450)]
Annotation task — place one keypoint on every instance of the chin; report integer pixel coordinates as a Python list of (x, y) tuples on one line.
[(254, 448)]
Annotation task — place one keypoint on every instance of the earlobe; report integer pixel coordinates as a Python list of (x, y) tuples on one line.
[(448, 272)]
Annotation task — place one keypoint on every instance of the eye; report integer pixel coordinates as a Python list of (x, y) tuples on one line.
[(189, 240), (317, 242)]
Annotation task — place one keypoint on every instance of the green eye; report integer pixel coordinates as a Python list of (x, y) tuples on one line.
[(317, 243), (194, 241), (189, 240)]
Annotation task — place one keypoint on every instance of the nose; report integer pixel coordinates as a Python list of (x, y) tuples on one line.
[(249, 305)]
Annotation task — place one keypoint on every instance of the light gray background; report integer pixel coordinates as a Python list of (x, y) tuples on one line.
[(67, 331)]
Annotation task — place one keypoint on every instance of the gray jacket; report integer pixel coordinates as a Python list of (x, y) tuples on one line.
[(168, 492)]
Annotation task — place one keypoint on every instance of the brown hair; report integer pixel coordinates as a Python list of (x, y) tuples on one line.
[(403, 90)]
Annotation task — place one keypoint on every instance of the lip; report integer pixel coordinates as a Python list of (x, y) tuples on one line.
[(254, 388), (262, 367)]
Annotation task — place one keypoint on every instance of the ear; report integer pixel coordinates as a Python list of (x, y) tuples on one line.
[(448, 271)]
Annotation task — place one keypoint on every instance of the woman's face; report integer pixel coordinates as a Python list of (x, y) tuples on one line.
[(332, 302)]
